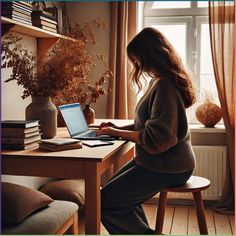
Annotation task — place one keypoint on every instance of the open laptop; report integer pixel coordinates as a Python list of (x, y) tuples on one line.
[(77, 125)]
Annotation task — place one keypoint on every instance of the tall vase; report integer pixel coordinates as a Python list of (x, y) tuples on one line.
[(44, 110), (89, 114)]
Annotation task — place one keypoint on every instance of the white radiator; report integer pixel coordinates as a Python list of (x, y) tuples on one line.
[(210, 163)]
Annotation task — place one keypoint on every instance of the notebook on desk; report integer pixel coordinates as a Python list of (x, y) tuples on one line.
[(77, 125)]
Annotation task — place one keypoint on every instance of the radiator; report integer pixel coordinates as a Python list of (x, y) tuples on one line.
[(210, 163)]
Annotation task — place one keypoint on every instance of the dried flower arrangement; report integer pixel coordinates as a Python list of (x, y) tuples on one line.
[(208, 113), (64, 73)]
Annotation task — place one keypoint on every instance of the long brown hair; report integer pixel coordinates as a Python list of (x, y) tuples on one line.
[(150, 52)]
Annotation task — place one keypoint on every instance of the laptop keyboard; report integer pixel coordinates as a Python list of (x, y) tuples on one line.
[(90, 133)]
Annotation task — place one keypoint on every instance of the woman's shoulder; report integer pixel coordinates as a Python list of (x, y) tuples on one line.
[(165, 83)]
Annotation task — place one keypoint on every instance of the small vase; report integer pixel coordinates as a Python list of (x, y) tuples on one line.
[(44, 110), (89, 114)]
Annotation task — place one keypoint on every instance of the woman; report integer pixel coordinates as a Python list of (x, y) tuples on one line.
[(164, 156)]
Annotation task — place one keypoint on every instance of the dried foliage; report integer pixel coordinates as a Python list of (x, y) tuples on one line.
[(64, 73)]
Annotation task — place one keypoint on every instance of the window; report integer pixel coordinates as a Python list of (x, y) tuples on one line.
[(185, 24)]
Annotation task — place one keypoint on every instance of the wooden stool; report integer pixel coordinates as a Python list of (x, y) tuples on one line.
[(194, 185)]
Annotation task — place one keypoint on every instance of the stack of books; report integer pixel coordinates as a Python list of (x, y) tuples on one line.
[(17, 10), (44, 20), (20, 134), (59, 144)]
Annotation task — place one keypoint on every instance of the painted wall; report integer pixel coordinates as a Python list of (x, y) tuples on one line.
[(81, 12)]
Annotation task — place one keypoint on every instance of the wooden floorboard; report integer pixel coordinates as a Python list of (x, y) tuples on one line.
[(222, 224), (181, 220), (210, 222), (232, 223)]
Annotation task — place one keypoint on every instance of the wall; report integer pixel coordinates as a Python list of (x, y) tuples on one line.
[(80, 12)]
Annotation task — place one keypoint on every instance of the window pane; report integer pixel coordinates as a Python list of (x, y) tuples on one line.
[(170, 4), (179, 43), (202, 4), (207, 80)]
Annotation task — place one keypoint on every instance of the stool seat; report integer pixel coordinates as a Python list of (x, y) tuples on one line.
[(195, 185)]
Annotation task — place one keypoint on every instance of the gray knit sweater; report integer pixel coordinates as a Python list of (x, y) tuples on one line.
[(164, 136)]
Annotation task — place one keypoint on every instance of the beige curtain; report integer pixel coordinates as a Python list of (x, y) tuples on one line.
[(222, 22), (121, 95)]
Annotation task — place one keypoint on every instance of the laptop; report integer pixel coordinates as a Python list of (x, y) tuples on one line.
[(77, 125)]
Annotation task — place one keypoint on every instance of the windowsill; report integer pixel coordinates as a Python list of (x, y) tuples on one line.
[(198, 128)]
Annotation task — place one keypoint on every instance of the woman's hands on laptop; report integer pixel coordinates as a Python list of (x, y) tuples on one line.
[(108, 128)]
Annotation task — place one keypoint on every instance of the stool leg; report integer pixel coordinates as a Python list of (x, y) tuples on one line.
[(161, 212), (200, 212)]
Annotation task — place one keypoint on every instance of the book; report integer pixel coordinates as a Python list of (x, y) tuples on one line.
[(20, 146), (60, 141), (17, 8), (20, 132), (16, 13), (38, 19), (56, 148), (17, 16), (21, 19), (48, 29), (11, 140), (17, 3), (19, 123), (42, 23)]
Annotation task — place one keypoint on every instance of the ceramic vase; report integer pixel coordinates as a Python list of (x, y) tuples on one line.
[(42, 109), (209, 114), (89, 114)]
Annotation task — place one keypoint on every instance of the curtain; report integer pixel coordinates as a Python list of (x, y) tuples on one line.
[(222, 22), (121, 94)]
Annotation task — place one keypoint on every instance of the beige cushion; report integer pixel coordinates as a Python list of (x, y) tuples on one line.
[(18, 202), (68, 190), (45, 221)]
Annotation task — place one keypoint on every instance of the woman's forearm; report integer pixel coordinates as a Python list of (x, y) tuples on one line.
[(126, 127), (130, 135)]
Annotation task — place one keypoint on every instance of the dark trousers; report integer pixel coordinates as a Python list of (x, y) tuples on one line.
[(122, 196)]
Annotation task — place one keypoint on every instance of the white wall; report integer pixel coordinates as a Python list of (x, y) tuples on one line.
[(80, 12)]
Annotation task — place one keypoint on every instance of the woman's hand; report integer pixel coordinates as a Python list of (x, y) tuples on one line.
[(107, 124), (107, 130), (132, 136)]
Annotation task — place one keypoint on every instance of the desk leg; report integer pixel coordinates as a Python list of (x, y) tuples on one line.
[(92, 199)]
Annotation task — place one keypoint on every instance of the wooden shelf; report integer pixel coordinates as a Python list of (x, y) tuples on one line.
[(29, 30)]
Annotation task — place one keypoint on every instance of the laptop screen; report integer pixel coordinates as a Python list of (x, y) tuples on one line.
[(74, 118)]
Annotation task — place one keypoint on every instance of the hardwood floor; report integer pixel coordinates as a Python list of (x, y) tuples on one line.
[(181, 220)]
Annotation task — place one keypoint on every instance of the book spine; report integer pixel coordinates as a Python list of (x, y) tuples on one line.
[(39, 23), (16, 6), (16, 14), (16, 141)]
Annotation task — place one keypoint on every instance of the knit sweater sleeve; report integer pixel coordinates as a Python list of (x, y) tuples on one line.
[(160, 130)]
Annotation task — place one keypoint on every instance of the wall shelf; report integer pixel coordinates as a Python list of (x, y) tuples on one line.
[(15, 26)]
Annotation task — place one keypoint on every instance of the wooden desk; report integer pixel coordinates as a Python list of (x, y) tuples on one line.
[(86, 163)]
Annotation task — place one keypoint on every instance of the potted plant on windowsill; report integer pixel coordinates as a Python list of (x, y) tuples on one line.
[(66, 67)]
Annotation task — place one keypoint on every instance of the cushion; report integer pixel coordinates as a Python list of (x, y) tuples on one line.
[(18, 202), (45, 221), (68, 190)]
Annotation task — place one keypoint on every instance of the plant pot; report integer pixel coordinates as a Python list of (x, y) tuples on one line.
[(42, 109), (89, 114), (209, 114)]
